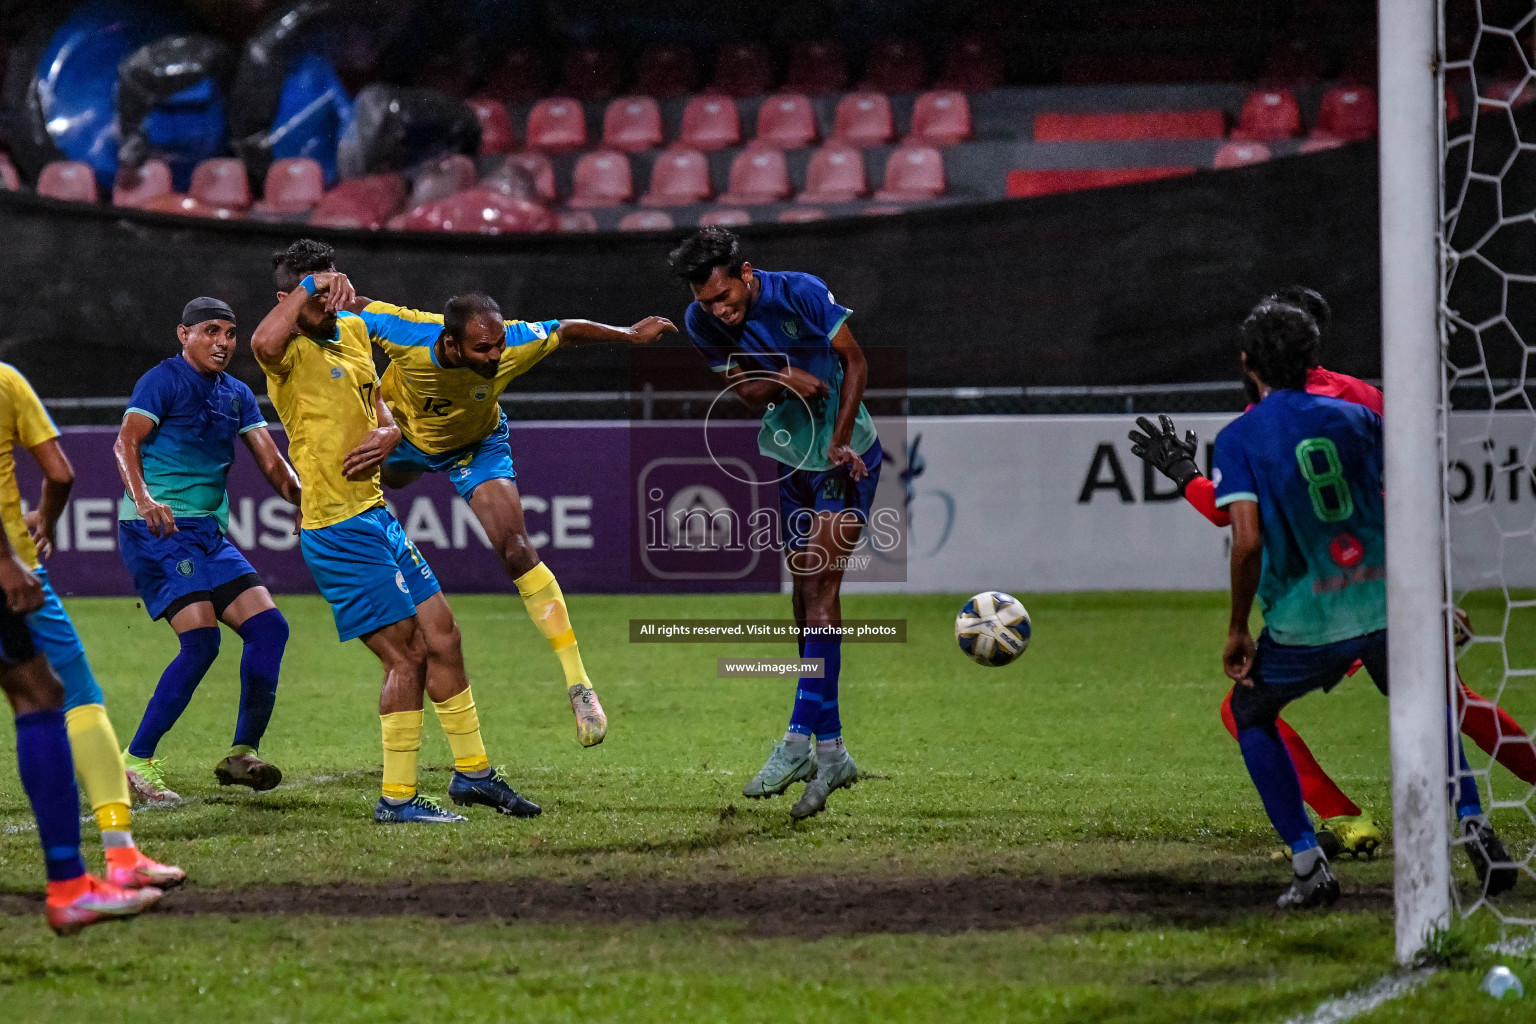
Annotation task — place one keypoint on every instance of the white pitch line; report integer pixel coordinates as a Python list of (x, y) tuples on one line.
[(1348, 1007), (1519, 945)]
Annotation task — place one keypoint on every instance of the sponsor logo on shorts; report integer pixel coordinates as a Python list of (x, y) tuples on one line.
[(184, 567), (400, 582)]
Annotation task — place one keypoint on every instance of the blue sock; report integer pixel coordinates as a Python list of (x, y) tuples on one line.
[(810, 694), (265, 636), (828, 725), (199, 648), (1274, 776), (1468, 803), (48, 776)]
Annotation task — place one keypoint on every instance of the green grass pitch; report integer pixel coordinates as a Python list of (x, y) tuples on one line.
[(1097, 761)]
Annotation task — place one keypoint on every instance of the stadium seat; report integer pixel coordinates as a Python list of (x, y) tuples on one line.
[(1023, 184), (709, 123), (182, 206), (521, 77), (817, 67), (1269, 115), (9, 179), (971, 64), (442, 178), (221, 182), (646, 220), (802, 216), (1240, 154), (1152, 124), (591, 73), (883, 211), (360, 202), (787, 121), (479, 211), (135, 186), (743, 69), (940, 118), (725, 219), (863, 119), (294, 185), (532, 168), (631, 124), (557, 125), (666, 72), (759, 174), (496, 134), (835, 175), (1347, 113), (679, 177), (67, 179), (601, 178), (894, 65), (912, 174), (1318, 144), (571, 221)]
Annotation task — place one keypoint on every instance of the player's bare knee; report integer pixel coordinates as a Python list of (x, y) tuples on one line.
[(518, 555), (32, 686)]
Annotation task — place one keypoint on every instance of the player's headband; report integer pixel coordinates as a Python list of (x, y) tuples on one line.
[(202, 309)]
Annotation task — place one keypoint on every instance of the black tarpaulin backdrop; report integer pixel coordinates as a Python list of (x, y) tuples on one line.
[(1131, 285)]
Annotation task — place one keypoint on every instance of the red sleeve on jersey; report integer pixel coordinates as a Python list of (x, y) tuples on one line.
[(1343, 386), (1201, 493)]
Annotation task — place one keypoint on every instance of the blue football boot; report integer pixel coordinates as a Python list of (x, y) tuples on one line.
[(492, 792), (418, 810)]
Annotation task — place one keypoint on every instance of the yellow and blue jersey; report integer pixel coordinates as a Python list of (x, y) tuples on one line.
[(442, 409), (1314, 467), (323, 392), (23, 421)]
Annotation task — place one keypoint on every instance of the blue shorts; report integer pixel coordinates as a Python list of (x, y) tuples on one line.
[(806, 492), (197, 559), (369, 572), (1281, 673), (467, 467), (54, 637)]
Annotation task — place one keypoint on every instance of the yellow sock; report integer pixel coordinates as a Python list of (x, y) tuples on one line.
[(461, 724), (402, 744), (99, 764), (546, 607)]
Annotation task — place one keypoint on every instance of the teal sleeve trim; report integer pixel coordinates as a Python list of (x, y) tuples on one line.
[(253, 426), (839, 325), (143, 412), (1227, 499)]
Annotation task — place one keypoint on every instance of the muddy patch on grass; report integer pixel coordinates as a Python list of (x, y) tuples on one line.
[(808, 906)]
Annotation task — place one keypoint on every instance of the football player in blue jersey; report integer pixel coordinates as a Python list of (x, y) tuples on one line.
[(1301, 477), (174, 451), (781, 342)]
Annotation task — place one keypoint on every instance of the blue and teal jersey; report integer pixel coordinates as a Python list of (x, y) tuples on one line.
[(791, 324), (1313, 465), (188, 453)]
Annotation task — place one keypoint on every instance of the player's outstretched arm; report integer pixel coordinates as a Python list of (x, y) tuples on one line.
[(272, 464), (1247, 564), (376, 445), (278, 327), (58, 481), (586, 332), (158, 518), (855, 377), (1159, 446)]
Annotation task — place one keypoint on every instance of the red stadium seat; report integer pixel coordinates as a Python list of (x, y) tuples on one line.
[(940, 119), (1240, 154), (571, 221), (803, 215), (135, 186), (496, 134), (521, 77), (591, 73), (1319, 143), (725, 218), (479, 211), (709, 123), (533, 168), (863, 119), (666, 72), (1347, 113), (361, 202), (817, 67), (183, 206), (221, 182), (9, 179), (1022, 184), (895, 65), (971, 64), (912, 174), (787, 121), (647, 220), (883, 211), (601, 178), (557, 125), (1152, 124), (67, 179), (632, 123), (835, 175), (294, 185), (743, 69), (679, 177), (442, 178), (759, 174), (1269, 115)]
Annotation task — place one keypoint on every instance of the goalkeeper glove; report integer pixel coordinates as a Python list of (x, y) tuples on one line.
[(1161, 448)]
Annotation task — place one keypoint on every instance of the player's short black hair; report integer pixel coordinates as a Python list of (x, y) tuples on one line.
[(1309, 300), (461, 309), (703, 251), (1281, 343), (299, 260)]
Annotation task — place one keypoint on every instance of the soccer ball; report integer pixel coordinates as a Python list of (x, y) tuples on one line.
[(992, 629)]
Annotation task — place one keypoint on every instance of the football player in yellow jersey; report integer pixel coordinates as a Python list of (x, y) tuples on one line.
[(445, 374), (321, 380), (98, 761)]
